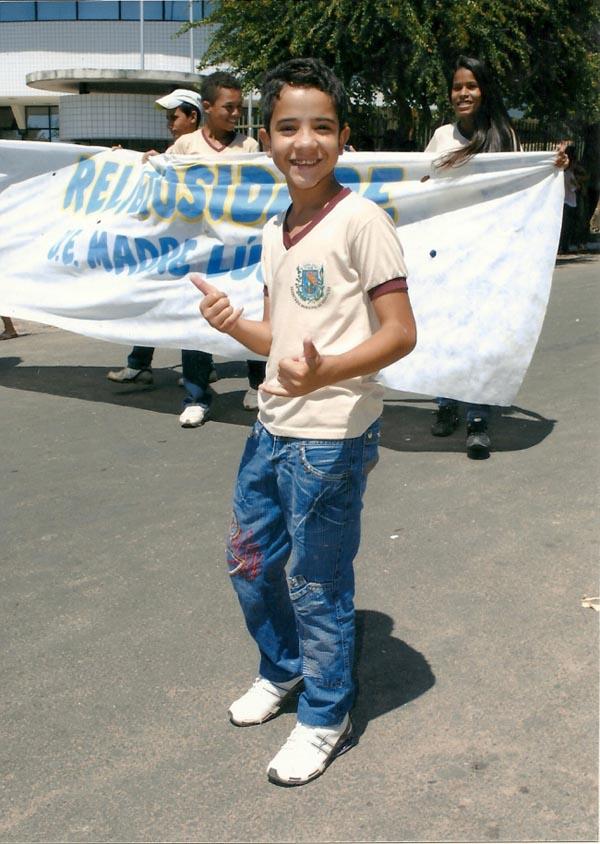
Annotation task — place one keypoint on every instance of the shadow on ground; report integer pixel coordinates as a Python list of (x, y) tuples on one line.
[(406, 426), (405, 422), (389, 673), (567, 259)]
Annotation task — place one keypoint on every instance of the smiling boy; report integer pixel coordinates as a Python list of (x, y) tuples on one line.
[(222, 103), (336, 310)]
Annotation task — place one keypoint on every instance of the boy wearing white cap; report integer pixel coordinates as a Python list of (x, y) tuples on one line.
[(184, 109), (221, 101)]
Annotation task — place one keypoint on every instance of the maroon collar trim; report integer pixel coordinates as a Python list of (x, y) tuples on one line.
[(217, 146), (289, 241)]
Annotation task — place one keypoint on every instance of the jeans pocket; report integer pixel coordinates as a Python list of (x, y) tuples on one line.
[(327, 460), (318, 631), (371, 449)]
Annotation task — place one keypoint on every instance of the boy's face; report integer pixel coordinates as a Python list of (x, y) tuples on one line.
[(180, 123), (223, 115), (304, 138)]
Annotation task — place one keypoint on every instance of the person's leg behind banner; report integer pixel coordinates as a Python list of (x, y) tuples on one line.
[(138, 369), (196, 367), (256, 375)]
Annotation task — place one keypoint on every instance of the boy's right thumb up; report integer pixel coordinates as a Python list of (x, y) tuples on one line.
[(202, 284)]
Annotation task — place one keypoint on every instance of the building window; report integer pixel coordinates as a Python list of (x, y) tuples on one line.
[(9, 130), (17, 11), (153, 10), (103, 10), (90, 10), (56, 11), (42, 123)]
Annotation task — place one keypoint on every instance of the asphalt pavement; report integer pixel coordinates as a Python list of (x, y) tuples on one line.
[(123, 644)]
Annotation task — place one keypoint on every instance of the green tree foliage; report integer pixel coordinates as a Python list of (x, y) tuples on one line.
[(543, 52)]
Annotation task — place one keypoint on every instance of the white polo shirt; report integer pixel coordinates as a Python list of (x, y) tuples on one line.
[(320, 285), (448, 137)]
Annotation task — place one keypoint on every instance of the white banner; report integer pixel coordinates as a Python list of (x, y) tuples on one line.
[(103, 246)]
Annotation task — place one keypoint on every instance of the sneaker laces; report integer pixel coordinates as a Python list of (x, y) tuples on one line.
[(263, 686), (302, 738)]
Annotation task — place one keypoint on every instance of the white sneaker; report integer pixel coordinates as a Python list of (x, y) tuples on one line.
[(131, 376), (308, 751), (193, 416), (251, 399), (262, 701)]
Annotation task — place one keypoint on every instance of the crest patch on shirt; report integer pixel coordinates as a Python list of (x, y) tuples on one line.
[(310, 289)]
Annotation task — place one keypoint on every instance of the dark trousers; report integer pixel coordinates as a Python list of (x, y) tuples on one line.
[(473, 411), (196, 368)]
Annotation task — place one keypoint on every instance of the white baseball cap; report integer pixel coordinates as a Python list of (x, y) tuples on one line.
[(180, 95)]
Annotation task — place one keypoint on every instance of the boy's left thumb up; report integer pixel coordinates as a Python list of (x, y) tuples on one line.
[(311, 355)]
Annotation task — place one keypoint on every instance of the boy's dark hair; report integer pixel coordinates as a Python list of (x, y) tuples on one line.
[(188, 109), (309, 73), (493, 131), (209, 89)]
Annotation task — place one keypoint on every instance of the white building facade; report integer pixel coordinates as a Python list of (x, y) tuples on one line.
[(89, 71)]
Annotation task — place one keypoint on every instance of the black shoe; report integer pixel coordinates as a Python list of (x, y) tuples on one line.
[(478, 441), (446, 420)]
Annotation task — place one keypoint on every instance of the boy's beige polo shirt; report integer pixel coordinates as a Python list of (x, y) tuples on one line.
[(196, 143), (318, 287)]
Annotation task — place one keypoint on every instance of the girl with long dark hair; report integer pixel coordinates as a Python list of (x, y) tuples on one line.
[(482, 125)]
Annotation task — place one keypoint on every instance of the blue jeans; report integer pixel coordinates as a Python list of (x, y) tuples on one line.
[(300, 501), (195, 368)]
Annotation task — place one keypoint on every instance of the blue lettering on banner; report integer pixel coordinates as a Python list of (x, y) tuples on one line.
[(120, 186), (164, 194), (81, 179), (147, 254), (119, 254), (252, 195), (66, 243), (98, 252), (122, 255), (243, 195), (98, 196), (378, 177), (349, 177), (197, 178), (240, 194)]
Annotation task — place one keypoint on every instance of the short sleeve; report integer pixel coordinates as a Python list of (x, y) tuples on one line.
[(376, 252), (180, 146), (432, 146)]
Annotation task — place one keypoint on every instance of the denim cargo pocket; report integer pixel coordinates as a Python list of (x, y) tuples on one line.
[(327, 460), (318, 630)]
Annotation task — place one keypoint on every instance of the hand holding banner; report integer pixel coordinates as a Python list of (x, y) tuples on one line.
[(105, 247)]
